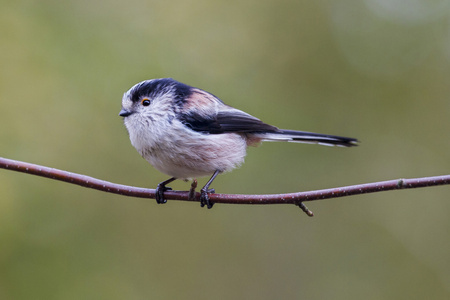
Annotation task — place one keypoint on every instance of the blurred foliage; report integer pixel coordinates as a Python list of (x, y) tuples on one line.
[(377, 70)]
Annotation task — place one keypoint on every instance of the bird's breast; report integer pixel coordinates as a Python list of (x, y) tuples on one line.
[(183, 153)]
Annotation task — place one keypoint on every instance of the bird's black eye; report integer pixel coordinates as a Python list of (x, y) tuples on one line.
[(145, 102)]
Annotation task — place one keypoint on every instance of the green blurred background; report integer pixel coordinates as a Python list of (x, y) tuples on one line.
[(375, 70)]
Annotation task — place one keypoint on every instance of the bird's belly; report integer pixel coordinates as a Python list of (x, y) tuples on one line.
[(186, 157)]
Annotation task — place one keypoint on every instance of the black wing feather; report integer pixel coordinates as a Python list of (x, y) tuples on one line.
[(226, 121)]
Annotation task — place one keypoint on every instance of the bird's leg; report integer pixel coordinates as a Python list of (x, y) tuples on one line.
[(204, 197), (191, 196), (160, 189)]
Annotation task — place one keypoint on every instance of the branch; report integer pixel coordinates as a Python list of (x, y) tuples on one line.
[(291, 198)]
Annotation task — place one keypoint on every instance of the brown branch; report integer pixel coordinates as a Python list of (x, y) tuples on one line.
[(291, 198)]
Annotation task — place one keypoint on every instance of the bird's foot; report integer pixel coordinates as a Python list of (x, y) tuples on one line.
[(160, 193), (160, 189), (204, 197)]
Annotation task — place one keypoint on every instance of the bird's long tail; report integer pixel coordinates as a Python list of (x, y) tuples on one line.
[(284, 135)]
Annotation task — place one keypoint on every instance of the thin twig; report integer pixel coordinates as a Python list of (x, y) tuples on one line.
[(291, 198)]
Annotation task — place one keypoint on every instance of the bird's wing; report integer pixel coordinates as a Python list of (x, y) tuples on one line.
[(225, 120), (229, 119)]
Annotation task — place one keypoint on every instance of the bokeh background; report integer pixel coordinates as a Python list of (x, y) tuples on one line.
[(377, 70)]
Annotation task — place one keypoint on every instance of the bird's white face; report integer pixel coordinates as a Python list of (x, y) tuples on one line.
[(151, 111), (145, 104)]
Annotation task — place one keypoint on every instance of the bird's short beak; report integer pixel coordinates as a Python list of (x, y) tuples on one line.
[(125, 113)]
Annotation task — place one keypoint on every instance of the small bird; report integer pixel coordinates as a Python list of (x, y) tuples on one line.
[(186, 132)]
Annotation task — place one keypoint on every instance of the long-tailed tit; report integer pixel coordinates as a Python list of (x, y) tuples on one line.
[(186, 132)]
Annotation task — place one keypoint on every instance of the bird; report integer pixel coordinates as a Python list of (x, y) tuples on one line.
[(186, 132)]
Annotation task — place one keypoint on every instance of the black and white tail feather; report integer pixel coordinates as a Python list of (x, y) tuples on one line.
[(284, 135)]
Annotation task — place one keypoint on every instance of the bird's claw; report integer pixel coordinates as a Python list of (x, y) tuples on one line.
[(204, 198), (160, 189)]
